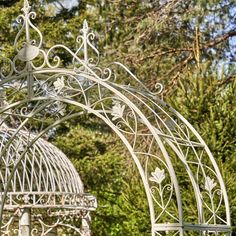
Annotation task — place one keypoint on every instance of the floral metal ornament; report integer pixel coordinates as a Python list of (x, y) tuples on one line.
[(39, 92), (209, 184), (117, 111), (158, 176), (59, 84)]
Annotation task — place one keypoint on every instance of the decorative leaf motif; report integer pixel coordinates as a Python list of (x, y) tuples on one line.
[(209, 184), (117, 111), (158, 176), (59, 84), (61, 108)]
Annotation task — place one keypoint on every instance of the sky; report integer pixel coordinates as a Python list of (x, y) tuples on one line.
[(69, 3), (54, 6)]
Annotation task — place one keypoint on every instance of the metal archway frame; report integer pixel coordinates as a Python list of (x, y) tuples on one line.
[(135, 114)]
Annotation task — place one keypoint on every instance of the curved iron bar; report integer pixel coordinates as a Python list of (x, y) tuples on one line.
[(107, 121), (104, 84)]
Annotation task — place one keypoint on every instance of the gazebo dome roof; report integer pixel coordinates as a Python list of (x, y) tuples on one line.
[(45, 176)]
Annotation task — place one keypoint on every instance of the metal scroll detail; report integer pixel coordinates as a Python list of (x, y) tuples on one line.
[(175, 164), (40, 227)]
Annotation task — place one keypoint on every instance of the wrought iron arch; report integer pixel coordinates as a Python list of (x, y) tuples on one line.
[(35, 85)]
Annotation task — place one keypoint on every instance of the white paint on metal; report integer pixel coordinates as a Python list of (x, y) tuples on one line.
[(25, 222)]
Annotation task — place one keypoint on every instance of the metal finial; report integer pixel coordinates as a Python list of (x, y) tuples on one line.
[(26, 3), (26, 7), (85, 28), (85, 25)]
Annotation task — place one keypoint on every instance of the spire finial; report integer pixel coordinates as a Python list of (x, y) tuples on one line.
[(85, 28), (85, 24), (26, 7), (26, 3)]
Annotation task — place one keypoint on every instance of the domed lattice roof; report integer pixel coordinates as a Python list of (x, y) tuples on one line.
[(45, 176)]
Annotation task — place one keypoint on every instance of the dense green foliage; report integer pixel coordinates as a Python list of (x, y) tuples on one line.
[(106, 172), (180, 44)]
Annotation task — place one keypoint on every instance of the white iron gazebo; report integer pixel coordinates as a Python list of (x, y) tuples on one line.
[(45, 191), (176, 166)]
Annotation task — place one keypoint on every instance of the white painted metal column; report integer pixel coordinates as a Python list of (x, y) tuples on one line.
[(25, 222), (85, 228)]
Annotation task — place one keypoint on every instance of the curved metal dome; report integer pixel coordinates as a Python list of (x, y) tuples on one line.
[(44, 188), (45, 175)]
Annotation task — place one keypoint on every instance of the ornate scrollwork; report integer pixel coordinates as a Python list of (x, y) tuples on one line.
[(32, 44), (123, 117), (40, 227), (85, 41)]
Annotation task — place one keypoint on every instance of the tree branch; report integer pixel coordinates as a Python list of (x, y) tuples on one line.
[(207, 45), (219, 40)]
